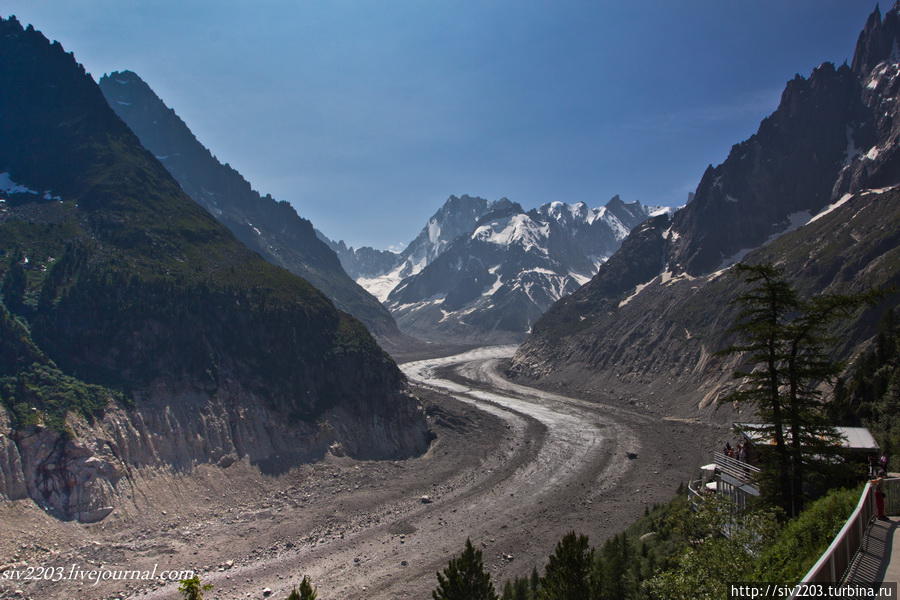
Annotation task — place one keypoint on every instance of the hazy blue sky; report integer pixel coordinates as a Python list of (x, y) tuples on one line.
[(366, 115)]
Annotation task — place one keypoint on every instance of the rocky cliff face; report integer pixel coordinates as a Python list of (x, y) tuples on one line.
[(784, 172), (137, 332), (84, 472), (272, 228), (813, 191), (875, 163)]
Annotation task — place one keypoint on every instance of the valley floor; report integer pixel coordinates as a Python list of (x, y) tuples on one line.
[(513, 468)]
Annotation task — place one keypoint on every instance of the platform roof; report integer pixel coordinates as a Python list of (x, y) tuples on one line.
[(853, 438)]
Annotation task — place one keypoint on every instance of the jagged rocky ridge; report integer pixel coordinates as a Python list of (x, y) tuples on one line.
[(272, 228), (363, 262), (379, 271), (812, 191), (136, 331), (485, 271)]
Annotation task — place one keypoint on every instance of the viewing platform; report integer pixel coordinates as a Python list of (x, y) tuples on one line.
[(728, 476)]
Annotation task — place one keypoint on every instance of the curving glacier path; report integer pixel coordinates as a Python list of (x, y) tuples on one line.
[(563, 464)]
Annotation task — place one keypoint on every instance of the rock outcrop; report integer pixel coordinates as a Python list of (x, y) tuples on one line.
[(82, 473)]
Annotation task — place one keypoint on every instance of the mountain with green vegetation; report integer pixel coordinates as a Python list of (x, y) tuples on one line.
[(271, 228), (137, 330)]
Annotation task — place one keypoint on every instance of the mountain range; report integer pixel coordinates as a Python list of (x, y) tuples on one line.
[(814, 192), (270, 227), (482, 270)]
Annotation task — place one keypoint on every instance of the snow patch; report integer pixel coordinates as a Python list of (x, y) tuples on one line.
[(831, 207), (381, 286), (716, 274), (417, 306), (541, 270), (519, 229), (579, 278), (872, 154), (670, 234), (9, 186), (878, 190), (655, 211), (637, 290), (498, 283), (434, 231)]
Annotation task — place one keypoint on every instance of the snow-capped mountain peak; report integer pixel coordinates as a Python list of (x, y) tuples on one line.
[(517, 229), (511, 265)]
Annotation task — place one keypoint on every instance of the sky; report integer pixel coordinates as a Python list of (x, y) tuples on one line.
[(367, 114)]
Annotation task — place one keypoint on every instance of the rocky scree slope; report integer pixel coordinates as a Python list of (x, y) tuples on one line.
[(812, 191), (136, 331), (272, 228)]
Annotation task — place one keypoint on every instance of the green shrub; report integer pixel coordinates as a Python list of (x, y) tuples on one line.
[(803, 540)]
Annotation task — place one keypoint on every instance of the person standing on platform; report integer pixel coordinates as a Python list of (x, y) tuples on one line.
[(878, 485)]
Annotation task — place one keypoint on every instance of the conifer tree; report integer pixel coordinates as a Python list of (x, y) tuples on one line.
[(516, 589), (612, 570), (808, 364), (568, 572), (306, 591), (788, 349), (521, 590), (14, 285), (761, 327), (465, 578), (192, 588)]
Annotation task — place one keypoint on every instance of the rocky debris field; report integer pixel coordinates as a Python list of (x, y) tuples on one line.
[(511, 467)]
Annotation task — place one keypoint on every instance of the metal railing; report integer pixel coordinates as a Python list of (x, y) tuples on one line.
[(738, 469), (695, 492), (833, 564), (891, 488)]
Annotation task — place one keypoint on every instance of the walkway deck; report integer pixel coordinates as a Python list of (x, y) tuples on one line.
[(879, 559), (892, 557)]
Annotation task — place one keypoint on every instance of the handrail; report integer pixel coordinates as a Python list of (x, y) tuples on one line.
[(736, 468), (833, 564)]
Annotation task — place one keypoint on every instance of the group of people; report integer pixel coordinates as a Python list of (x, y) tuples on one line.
[(740, 453), (877, 466)]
